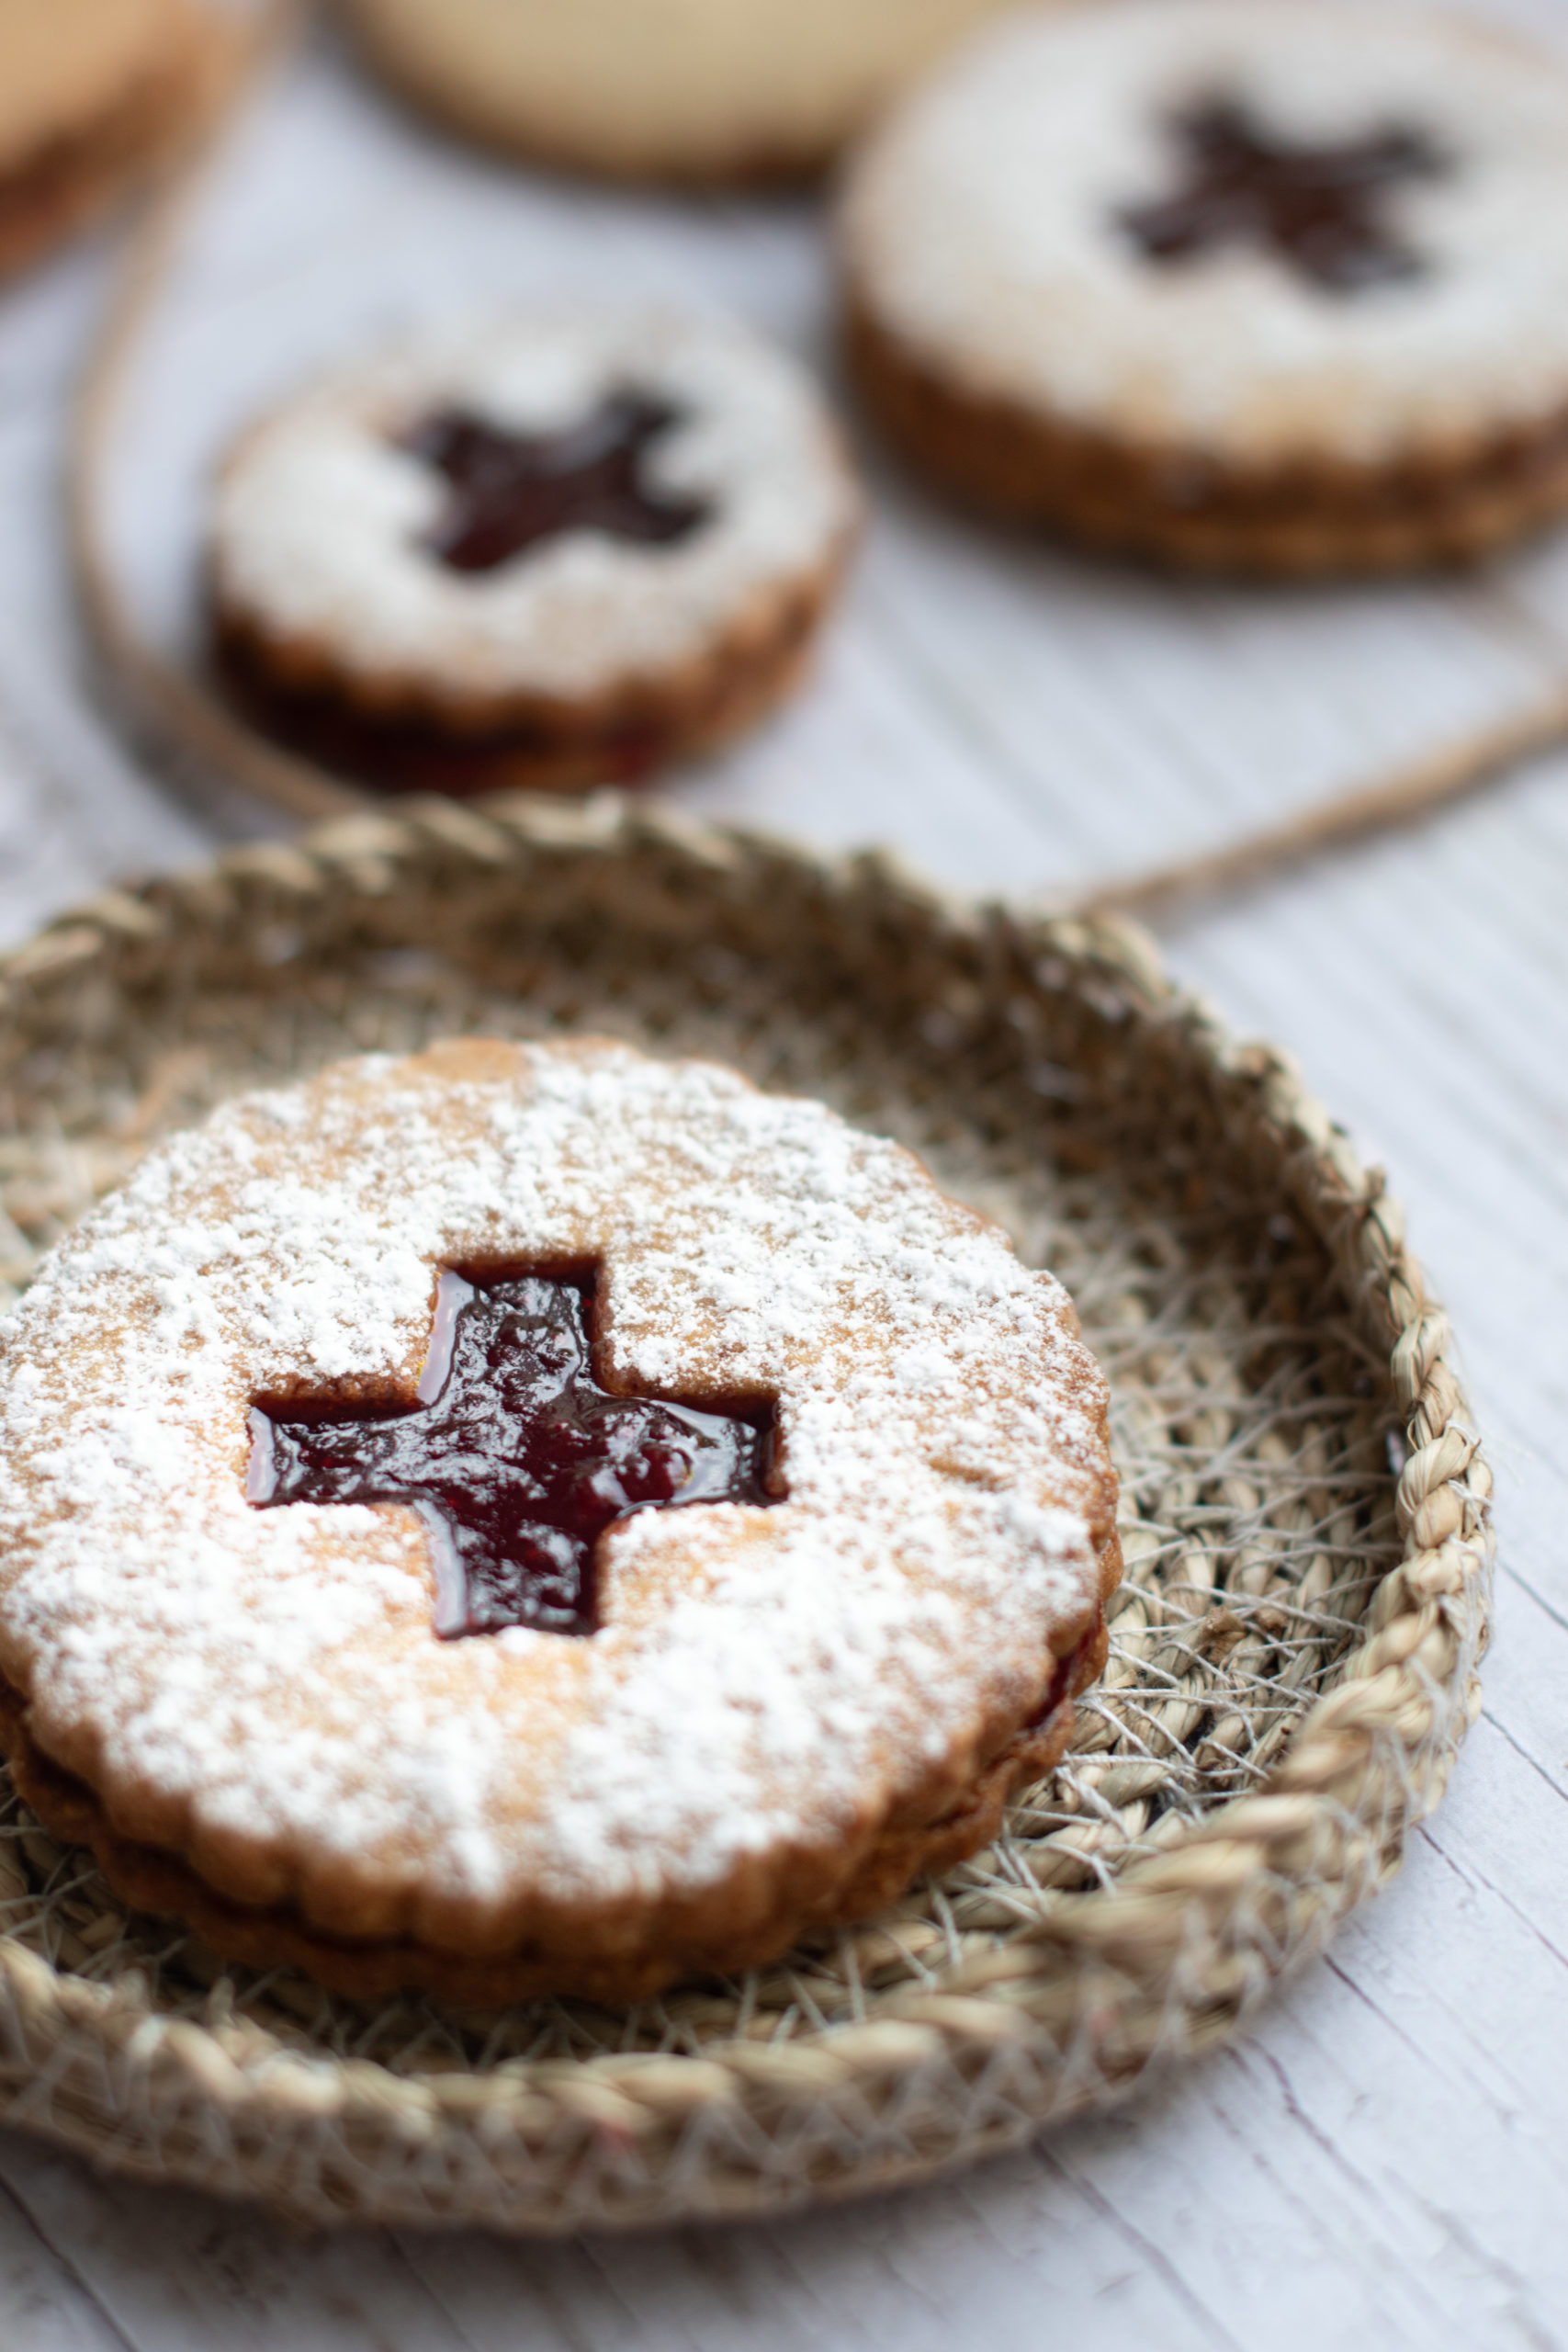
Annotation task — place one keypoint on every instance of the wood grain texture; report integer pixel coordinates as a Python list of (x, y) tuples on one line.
[(1386, 2159)]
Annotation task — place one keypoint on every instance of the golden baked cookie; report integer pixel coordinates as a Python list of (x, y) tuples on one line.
[(664, 89), (528, 1519), (1272, 289), (556, 551), (90, 93)]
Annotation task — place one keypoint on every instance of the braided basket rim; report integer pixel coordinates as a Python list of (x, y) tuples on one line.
[(1166, 1960)]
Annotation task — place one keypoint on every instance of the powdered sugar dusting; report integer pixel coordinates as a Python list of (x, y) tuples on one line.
[(266, 1687), (982, 229), (319, 519)]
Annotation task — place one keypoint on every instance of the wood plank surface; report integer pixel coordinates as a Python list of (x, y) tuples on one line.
[(1385, 2160)]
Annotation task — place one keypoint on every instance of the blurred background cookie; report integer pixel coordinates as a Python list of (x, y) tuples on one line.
[(552, 552), (676, 89), (1276, 289), (91, 93)]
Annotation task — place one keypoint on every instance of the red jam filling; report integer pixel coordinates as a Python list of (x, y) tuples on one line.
[(1064, 1671), (1319, 207), (515, 1456), (509, 491)]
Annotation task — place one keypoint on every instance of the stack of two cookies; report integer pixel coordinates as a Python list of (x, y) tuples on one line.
[(1268, 290), (527, 1520)]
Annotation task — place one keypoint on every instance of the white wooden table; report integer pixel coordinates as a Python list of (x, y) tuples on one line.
[(1386, 2159)]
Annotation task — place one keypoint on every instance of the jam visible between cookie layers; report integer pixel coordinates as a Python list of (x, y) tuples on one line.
[(509, 491), (515, 1456), (1319, 207)]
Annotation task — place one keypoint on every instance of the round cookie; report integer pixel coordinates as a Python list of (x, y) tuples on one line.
[(255, 1650), (90, 95), (667, 89), (1276, 289), (554, 553)]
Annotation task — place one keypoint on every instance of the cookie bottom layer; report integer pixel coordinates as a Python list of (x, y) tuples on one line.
[(66, 182), (1310, 519), (151, 1880), (554, 747)]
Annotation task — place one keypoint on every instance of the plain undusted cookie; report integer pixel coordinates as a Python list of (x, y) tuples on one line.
[(793, 1699), (555, 551), (667, 89), (1280, 289), (91, 93)]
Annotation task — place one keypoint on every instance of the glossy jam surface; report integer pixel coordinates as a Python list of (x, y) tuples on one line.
[(517, 1458), (1319, 208), (509, 491)]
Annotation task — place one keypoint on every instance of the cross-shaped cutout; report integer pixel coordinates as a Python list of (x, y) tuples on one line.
[(1320, 206), (510, 490), (515, 1456)]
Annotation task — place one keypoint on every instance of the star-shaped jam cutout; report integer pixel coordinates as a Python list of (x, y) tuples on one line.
[(1319, 205), (515, 1457), (510, 491)]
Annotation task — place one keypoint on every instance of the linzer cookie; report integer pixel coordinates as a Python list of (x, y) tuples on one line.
[(90, 93), (669, 89), (556, 552), (1277, 289), (529, 1519)]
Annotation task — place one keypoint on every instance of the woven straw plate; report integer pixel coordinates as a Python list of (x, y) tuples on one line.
[(1294, 1649)]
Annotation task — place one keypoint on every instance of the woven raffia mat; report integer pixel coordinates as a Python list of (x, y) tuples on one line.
[(1303, 1509)]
